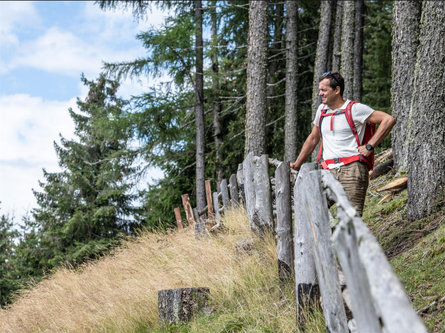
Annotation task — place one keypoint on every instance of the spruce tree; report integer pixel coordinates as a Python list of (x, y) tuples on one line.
[(84, 207)]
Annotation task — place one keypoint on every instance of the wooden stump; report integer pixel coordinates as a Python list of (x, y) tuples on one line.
[(240, 180), (234, 196), (179, 305), (225, 193)]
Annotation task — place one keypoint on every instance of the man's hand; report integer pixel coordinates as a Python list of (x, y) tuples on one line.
[(363, 151), (293, 165)]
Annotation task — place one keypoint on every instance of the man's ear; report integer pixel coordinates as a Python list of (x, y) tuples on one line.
[(337, 90)]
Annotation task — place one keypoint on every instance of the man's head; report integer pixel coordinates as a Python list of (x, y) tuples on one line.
[(335, 80)]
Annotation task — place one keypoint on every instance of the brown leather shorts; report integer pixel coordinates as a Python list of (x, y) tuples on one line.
[(355, 180)]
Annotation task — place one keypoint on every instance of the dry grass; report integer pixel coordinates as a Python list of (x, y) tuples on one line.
[(119, 292)]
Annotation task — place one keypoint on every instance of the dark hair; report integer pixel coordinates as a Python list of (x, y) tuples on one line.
[(335, 80)]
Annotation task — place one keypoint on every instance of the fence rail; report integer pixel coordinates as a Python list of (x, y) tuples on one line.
[(309, 249)]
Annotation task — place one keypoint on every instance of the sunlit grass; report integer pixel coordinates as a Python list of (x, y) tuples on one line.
[(118, 293)]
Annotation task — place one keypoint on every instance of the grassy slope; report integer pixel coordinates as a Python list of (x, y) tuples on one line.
[(119, 293), (416, 249)]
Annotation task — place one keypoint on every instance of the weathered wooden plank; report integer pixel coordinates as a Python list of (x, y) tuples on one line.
[(234, 196), (240, 180), (225, 193), (263, 217), (209, 200), (306, 286), (178, 218), (284, 221), (325, 264), (216, 206), (188, 209), (249, 189), (361, 304), (390, 299)]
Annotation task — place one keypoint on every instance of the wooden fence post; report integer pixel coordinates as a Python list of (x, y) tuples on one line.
[(178, 218), (188, 209), (208, 187), (306, 286), (284, 221), (325, 264), (263, 216), (390, 299), (240, 180), (234, 197), (216, 206), (249, 189), (362, 307), (225, 193)]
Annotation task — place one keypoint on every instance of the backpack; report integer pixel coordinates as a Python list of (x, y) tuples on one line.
[(369, 132)]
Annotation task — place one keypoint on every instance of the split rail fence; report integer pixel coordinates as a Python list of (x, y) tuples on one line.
[(295, 207)]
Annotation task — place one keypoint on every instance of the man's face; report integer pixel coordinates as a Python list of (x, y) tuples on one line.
[(327, 94)]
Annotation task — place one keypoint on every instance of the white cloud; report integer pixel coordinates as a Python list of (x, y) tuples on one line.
[(28, 127), (13, 16)]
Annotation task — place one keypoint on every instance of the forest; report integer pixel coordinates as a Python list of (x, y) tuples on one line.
[(243, 78)]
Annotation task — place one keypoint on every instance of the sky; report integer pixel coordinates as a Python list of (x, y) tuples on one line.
[(45, 46)]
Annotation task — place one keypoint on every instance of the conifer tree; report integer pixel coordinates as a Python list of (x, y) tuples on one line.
[(83, 208)]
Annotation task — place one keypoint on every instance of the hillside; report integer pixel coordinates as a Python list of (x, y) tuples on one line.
[(118, 293)]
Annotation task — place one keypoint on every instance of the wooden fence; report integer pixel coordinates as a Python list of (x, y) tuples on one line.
[(308, 248)]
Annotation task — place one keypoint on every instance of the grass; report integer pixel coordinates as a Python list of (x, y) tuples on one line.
[(118, 293)]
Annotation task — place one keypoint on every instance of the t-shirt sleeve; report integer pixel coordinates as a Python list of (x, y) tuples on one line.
[(361, 112), (317, 115)]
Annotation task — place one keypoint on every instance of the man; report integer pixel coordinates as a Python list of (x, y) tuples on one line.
[(341, 154)]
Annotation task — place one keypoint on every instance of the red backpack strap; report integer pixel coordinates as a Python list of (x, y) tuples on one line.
[(322, 114), (350, 121)]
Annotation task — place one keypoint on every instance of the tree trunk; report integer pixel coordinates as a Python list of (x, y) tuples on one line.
[(199, 111), (347, 48), (358, 50), (256, 78), (321, 56), (336, 51), (426, 164), (290, 129), (216, 90), (405, 40)]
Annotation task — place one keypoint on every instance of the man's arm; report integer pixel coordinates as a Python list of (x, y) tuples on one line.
[(307, 149), (385, 122)]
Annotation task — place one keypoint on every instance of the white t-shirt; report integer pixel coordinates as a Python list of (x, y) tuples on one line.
[(340, 142)]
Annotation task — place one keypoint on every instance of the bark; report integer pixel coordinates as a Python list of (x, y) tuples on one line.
[(405, 40), (256, 78), (336, 51), (276, 48), (347, 48), (426, 164), (321, 56), (290, 129), (199, 111), (358, 50), (217, 100)]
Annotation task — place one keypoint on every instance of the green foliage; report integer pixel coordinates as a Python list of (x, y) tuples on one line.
[(7, 282), (84, 209)]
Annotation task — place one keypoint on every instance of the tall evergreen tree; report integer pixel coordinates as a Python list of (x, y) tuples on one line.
[(83, 208), (290, 141), (347, 48), (405, 40), (7, 236), (256, 78), (426, 135)]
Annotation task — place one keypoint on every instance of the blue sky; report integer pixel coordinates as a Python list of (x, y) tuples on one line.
[(44, 48)]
